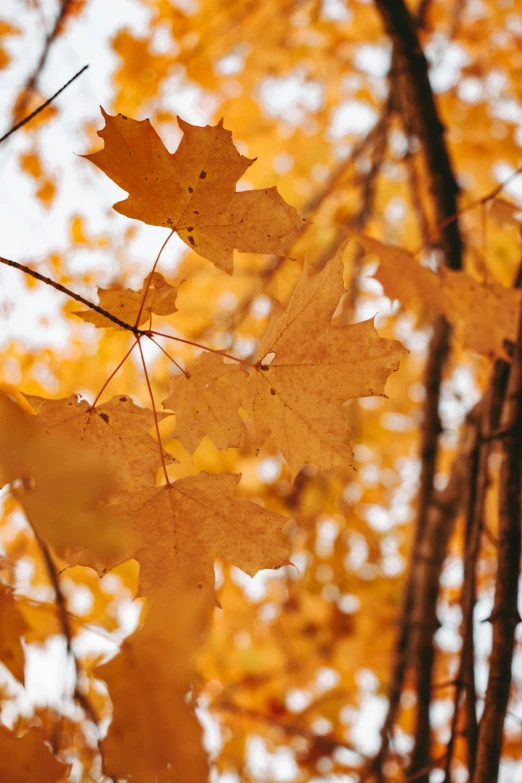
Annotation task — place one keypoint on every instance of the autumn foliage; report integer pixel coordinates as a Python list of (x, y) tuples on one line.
[(315, 373)]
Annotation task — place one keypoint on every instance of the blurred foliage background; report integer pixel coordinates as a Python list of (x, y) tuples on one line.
[(292, 680)]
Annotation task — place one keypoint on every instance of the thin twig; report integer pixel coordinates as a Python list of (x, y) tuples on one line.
[(48, 281), (489, 408), (42, 107), (33, 79), (63, 616), (122, 324)]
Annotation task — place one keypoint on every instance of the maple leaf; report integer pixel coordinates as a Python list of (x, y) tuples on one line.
[(60, 487), (308, 368), (118, 429), (12, 627), (206, 401), (153, 730), (487, 313), (125, 303), (28, 758), (182, 527), (192, 191)]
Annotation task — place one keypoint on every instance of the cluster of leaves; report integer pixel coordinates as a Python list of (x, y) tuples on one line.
[(256, 357)]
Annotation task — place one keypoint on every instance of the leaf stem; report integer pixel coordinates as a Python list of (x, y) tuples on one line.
[(113, 373), (204, 347), (180, 368), (149, 280), (156, 424)]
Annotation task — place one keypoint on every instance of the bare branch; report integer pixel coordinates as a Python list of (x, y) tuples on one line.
[(42, 107), (505, 616), (48, 281), (50, 39), (418, 102)]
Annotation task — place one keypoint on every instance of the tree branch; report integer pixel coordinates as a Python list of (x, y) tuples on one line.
[(489, 406), (48, 281), (419, 104), (505, 616), (33, 79), (411, 62), (42, 107)]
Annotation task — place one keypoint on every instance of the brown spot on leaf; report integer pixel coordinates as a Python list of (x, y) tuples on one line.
[(191, 240), (202, 174), (105, 417)]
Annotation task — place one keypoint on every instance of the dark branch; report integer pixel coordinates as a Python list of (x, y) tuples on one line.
[(42, 107), (418, 103), (48, 281), (401, 28), (505, 616), (33, 79)]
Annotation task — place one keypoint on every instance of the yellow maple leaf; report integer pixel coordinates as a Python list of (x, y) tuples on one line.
[(193, 191), (487, 313), (126, 303), (182, 527), (118, 429), (308, 368), (60, 486), (154, 735), (206, 401)]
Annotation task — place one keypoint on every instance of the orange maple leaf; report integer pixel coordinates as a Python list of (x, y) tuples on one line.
[(153, 729), (193, 191), (308, 368), (118, 429), (60, 487), (183, 527), (486, 313)]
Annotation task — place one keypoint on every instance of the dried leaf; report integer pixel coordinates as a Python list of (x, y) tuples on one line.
[(181, 528), (487, 312), (193, 190), (118, 429), (28, 759), (402, 277), (207, 403), (153, 730), (125, 304), (298, 395), (60, 487)]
